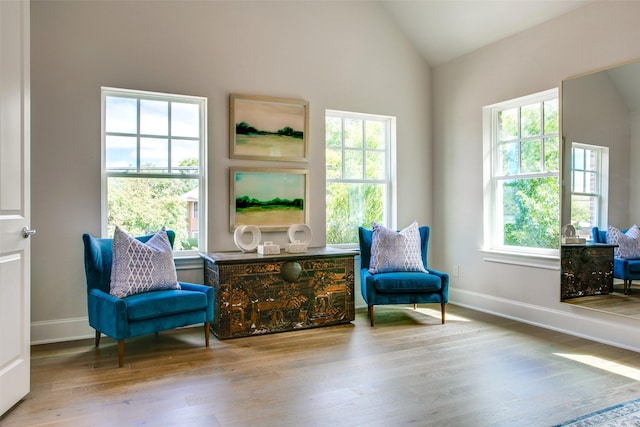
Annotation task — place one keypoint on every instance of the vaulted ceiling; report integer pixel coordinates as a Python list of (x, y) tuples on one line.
[(443, 30)]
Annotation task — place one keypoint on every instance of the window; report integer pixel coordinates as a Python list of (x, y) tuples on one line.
[(522, 191), (589, 187), (359, 162), (152, 165)]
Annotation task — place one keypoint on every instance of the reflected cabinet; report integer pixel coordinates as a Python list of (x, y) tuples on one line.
[(586, 270), (259, 294)]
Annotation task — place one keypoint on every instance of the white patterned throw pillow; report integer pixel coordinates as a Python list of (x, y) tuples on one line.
[(395, 250), (628, 242), (613, 235), (142, 267)]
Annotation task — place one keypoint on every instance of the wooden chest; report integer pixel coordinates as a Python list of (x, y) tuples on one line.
[(259, 294), (586, 270)]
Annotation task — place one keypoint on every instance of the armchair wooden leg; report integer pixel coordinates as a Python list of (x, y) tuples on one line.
[(371, 315), (120, 353), (98, 334), (442, 312), (206, 334), (415, 306)]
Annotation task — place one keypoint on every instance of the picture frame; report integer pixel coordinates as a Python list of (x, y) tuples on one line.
[(268, 128), (272, 199)]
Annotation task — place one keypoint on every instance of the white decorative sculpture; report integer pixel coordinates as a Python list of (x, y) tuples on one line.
[(296, 245), (255, 240)]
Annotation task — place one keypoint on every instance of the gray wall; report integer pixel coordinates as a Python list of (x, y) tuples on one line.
[(337, 55), (587, 39)]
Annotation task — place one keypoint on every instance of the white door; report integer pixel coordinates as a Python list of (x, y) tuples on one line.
[(15, 295)]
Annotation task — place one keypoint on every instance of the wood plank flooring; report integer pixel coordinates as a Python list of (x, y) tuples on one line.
[(476, 370), (616, 302)]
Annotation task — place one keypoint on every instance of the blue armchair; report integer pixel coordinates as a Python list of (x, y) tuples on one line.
[(143, 313), (625, 269), (401, 287)]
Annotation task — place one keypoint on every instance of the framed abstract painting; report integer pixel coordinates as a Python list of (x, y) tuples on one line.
[(269, 198), (267, 128)]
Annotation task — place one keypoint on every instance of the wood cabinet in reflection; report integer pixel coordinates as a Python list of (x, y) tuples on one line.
[(586, 270), (259, 294)]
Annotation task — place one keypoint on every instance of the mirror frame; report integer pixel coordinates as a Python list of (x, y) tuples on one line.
[(585, 125)]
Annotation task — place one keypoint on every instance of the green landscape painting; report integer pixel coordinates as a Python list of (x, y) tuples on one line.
[(270, 198), (272, 130)]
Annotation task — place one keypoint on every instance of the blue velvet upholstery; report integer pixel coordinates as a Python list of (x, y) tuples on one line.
[(625, 269), (401, 287), (143, 313)]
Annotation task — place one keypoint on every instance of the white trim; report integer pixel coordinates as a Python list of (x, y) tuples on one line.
[(75, 328), (600, 327), (201, 177), (492, 232), (550, 262), (389, 182), (71, 329), (602, 173), (188, 262)]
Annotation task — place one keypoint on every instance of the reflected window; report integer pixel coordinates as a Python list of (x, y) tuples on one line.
[(589, 184)]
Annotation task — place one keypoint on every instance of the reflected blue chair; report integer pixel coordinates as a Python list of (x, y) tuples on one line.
[(143, 313), (401, 287), (625, 269)]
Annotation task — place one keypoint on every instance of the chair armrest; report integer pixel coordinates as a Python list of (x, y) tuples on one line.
[(107, 314), (622, 268), (208, 290), (445, 282), (193, 287), (367, 293)]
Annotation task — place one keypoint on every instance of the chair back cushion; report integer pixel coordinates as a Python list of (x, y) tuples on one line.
[(365, 237), (599, 236), (98, 257)]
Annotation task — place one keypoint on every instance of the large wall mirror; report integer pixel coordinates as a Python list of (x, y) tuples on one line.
[(601, 167)]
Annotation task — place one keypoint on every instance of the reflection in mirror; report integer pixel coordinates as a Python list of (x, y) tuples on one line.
[(601, 137)]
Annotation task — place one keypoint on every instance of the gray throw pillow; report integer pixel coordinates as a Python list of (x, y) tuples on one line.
[(395, 250), (628, 242), (142, 267)]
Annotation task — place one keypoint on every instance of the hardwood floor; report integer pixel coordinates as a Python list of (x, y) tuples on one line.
[(616, 302), (475, 370)]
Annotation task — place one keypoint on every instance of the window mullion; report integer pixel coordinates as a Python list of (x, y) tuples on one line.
[(169, 135), (363, 153), (343, 147), (138, 142)]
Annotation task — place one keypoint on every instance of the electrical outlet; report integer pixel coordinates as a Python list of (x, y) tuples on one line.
[(455, 270)]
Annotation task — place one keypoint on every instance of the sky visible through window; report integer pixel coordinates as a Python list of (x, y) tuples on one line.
[(158, 124)]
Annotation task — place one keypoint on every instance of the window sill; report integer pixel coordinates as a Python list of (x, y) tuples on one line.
[(192, 262), (549, 262), (354, 246)]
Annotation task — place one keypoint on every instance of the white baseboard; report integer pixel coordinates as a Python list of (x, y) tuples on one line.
[(66, 330), (61, 330), (605, 328)]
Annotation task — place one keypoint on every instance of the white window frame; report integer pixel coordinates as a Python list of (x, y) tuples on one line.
[(201, 177), (390, 180), (492, 249), (602, 177)]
